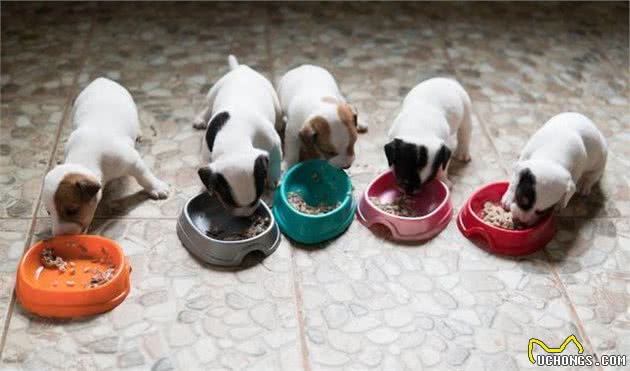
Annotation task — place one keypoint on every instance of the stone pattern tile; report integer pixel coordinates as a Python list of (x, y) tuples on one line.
[(29, 128), (14, 234), (35, 61), (348, 50), (592, 257), (180, 313), (373, 304), (161, 58), (538, 61)]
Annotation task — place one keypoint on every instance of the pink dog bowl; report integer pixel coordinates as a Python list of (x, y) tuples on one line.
[(499, 240), (432, 201)]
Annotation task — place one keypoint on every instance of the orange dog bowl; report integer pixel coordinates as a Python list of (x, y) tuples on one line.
[(49, 292)]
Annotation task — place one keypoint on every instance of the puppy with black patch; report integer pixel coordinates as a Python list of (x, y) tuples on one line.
[(245, 152), (319, 121), (100, 149), (566, 155), (431, 112)]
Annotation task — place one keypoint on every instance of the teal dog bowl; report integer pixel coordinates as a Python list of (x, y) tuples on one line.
[(316, 182)]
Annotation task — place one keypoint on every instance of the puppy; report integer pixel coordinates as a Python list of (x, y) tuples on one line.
[(245, 152), (319, 122), (567, 154), (431, 112), (100, 148)]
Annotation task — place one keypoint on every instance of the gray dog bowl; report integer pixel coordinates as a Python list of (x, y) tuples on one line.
[(195, 220)]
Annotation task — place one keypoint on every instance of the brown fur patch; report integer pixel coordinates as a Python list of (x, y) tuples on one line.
[(75, 199), (315, 136), (349, 119)]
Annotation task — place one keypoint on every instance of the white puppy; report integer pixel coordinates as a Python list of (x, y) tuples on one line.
[(431, 112), (100, 149), (567, 154), (245, 150), (320, 124)]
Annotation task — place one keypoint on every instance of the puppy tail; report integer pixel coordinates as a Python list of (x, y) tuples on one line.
[(232, 61)]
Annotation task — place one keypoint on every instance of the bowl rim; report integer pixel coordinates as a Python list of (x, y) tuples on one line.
[(210, 239), (406, 218), (344, 204), (114, 247), (528, 230)]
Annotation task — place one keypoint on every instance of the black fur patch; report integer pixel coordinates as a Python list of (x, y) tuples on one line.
[(205, 175), (224, 191), (441, 159), (260, 175), (526, 190), (214, 127), (407, 159), (216, 184)]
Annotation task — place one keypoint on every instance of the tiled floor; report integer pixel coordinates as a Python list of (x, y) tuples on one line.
[(358, 302)]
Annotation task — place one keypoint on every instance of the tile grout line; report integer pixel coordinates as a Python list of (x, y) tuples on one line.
[(580, 324), (297, 288), (551, 267), (69, 97)]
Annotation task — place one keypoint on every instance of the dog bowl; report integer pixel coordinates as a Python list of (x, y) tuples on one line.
[(499, 240), (47, 291), (432, 201), (316, 182), (204, 210)]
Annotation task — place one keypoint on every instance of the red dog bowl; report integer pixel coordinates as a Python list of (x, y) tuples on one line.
[(432, 201), (499, 240)]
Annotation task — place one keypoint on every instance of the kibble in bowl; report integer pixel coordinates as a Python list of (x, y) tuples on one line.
[(299, 204), (72, 276), (495, 215), (212, 234)]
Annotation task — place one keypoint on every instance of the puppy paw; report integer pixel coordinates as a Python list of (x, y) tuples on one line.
[(158, 191), (199, 123), (506, 202), (463, 156)]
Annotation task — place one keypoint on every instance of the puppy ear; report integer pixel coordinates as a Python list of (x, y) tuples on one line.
[(390, 149), (261, 166), (208, 178), (307, 134), (443, 156), (569, 193), (88, 188)]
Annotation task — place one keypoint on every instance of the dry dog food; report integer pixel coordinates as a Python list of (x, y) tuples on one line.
[(49, 260), (98, 278), (298, 203), (402, 206), (495, 215), (258, 224), (101, 277)]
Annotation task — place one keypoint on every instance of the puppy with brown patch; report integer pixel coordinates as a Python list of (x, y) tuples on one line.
[(100, 149), (319, 122)]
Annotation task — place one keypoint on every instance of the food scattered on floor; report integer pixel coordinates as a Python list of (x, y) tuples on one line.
[(298, 203), (401, 206), (49, 260), (258, 224), (495, 215)]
